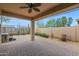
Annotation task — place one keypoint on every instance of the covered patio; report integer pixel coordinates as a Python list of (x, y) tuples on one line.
[(31, 45), (46, 9)]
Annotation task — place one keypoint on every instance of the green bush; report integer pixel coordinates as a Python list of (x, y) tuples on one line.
[(42, 34)]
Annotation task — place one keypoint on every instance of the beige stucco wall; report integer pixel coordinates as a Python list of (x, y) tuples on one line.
[(71, 32)]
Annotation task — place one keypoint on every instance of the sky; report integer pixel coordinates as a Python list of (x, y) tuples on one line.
[(72, 13), (24, 22)]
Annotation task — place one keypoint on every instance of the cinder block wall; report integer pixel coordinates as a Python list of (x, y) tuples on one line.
[(71, 32)]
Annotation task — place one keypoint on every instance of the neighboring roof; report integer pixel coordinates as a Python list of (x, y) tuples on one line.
[(46, 9)]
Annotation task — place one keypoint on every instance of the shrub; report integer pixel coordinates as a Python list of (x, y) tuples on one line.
[(64, 37), (42, 34)]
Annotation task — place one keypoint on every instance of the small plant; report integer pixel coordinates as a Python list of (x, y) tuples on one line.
[(64, 37), (42, 34)]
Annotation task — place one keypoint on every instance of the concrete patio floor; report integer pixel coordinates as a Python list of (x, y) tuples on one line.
[(40, 47)]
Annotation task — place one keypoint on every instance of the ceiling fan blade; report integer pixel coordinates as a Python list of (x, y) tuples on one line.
[(24, 7), (36, 9), (36, 4), (30, 10), (28, 4)]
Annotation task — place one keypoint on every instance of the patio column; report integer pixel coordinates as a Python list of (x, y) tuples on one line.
[(1, 30), (0, 24), (32, 31)]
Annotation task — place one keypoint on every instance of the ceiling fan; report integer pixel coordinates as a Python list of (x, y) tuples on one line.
[(31, 7)]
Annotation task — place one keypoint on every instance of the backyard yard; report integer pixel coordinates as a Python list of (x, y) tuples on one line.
[(23, 46)]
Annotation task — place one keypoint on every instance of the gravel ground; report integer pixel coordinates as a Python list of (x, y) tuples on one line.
[(40, 47)]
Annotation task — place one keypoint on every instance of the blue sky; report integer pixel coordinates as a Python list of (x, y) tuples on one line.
[(72, 13), (18, 21)]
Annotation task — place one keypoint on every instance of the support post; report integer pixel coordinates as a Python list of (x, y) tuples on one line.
[(32, 31), (0, 25)]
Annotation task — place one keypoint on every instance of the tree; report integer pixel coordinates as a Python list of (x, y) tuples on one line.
[(3, 19), (51, 23), (70, 20), (58, 22), (40, 24), (63, 20), (18, 29), (28, 29)]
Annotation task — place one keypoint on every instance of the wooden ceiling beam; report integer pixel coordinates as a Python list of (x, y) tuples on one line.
[(55, 10), (6, 13), (62, 7)]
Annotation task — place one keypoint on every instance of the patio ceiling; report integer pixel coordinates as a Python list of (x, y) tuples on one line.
[(46, 9)]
